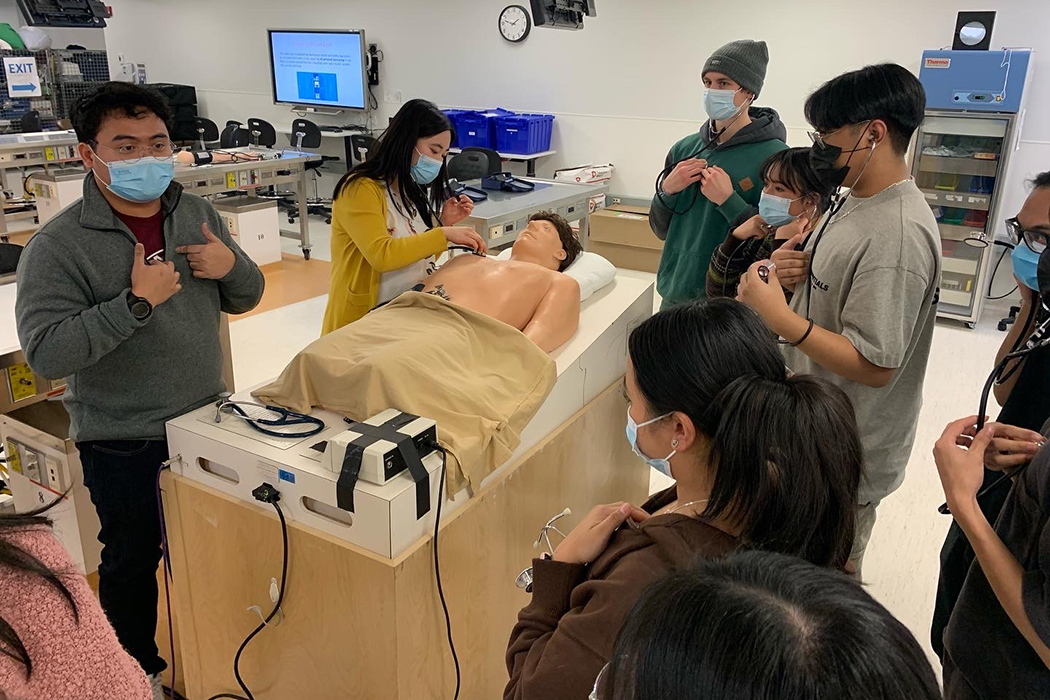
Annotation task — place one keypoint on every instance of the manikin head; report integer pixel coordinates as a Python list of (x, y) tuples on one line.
[(548, 241)]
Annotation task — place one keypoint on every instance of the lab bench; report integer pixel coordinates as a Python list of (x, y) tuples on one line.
[(503, 215)]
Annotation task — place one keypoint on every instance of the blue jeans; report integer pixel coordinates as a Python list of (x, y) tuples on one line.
[(121, 477)]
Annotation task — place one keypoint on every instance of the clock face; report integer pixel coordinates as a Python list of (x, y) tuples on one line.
[(515, 23)]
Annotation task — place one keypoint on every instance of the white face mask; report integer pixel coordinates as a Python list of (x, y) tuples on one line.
[(661, 465)]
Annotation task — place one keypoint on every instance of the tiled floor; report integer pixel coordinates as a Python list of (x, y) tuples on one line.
[(901, 565)]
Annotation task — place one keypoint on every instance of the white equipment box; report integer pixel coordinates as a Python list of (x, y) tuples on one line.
[(253, 223), (55, 191), (43, 463)]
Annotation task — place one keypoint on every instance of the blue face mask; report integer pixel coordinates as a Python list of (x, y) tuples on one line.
[(426, 169), (719, 104), (776, 211), (142, 181), (661, 465), (1026, 265)]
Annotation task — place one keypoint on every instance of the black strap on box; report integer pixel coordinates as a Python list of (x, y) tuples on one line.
[(371, 434)]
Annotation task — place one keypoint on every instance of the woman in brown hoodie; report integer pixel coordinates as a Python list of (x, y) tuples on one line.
[(761, 460)]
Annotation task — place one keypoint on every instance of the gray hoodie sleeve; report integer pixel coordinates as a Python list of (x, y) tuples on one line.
[(61, 329), (659, 215), (242, 288)]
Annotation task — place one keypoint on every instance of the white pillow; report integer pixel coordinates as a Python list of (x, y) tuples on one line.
[(591, 270)]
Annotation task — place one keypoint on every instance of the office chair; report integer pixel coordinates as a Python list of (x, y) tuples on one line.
[(233, 136), (495, 159), (468, 166), (361, 145), (207, 132), (262, 132), (9, 255), (306, 134), (30, 122)]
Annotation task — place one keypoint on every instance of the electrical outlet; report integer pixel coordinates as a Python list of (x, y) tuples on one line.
[(392, 97)]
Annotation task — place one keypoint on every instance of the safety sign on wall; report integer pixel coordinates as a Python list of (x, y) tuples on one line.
[(22, 77)]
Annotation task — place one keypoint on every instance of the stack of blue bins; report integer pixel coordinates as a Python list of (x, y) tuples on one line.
[(501, 130)]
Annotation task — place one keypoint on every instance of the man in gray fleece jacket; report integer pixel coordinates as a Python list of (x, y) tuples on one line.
[(121, 294)]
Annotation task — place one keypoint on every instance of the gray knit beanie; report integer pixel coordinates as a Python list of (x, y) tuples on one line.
[(744, 61)]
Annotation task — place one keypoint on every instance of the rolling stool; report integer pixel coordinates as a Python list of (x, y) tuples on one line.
[(306, 134)]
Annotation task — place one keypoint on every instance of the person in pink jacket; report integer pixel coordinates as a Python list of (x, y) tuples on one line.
[(55, 641)]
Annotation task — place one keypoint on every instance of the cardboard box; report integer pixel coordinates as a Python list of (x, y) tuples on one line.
[(621, 234)]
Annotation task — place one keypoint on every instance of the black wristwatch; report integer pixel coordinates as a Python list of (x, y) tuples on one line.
[(140, 308)]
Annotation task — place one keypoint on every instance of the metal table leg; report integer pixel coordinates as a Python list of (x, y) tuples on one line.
[(304, 215), (530, 167)]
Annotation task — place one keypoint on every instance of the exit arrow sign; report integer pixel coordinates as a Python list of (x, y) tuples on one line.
[(24, 88)]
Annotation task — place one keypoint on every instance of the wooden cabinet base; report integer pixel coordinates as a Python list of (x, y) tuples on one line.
[(356, 625)]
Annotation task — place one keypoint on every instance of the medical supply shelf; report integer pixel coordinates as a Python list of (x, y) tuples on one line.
[(959, 162)]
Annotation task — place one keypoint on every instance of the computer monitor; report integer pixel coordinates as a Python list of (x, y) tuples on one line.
[(319, 68)]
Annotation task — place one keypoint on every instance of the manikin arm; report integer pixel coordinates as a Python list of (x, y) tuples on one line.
[(557, 316)]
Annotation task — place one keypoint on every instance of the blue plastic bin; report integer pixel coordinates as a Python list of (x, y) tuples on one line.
[(524, 134), (476, 128), (455, 116)]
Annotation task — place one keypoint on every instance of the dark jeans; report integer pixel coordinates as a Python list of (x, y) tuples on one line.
[(121, 477)]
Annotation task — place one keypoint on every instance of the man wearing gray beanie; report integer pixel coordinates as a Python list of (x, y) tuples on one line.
[(712, 182)]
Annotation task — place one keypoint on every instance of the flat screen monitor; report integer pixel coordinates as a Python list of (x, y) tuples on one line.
[(318, 68)]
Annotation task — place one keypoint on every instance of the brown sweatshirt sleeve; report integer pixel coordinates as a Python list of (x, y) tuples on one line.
[(565, 636)]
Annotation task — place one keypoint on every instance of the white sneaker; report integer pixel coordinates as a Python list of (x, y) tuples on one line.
[(157, 685)]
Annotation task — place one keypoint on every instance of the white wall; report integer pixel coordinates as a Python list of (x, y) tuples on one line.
[(623, 89)]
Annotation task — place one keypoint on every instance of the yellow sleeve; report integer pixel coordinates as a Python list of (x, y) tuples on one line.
[(361, 210)]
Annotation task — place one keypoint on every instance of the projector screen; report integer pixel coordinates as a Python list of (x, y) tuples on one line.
[(318, 68)]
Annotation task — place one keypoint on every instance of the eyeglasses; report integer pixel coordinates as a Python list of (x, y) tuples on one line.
[(598, 686), (1034, 239), (132, 153), (817, 137)]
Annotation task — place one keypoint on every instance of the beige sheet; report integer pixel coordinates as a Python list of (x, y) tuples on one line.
[(481, 380)]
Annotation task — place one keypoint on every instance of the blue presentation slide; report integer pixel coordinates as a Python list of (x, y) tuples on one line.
[(318, 68)]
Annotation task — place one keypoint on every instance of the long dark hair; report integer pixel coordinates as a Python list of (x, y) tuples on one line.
[(391, 160), (762, 626), (785, 452), (13, 557)]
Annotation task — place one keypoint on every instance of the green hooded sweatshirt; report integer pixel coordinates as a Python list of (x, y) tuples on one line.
[(692, 236)]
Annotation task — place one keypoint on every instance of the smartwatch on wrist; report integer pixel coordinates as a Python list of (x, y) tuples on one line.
[(140, 308)]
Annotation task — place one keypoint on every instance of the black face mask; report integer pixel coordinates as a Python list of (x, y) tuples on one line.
[(823, 156)]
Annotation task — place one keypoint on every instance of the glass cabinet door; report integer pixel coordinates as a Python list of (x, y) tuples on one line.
[(957, 166)]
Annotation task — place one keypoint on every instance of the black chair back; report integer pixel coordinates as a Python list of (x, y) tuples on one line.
[(233, 136), (207, 132), (262, 133), (9, 255), (30, 122), (361, 145), (495, 161), (305, 134), (468, 166)]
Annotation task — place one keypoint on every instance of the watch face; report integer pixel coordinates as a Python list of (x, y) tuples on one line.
[(514, 23), (141, 309)]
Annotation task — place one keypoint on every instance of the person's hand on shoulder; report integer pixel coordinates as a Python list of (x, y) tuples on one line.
[(755, 227), (590, 538)]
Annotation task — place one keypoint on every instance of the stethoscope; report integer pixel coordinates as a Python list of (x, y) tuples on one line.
[(284, 418)]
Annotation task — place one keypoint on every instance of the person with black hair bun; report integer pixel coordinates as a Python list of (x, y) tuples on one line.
[(712, 406), (763, 626), (391, 216)]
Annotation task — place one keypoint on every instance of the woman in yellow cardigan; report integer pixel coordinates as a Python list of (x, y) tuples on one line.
[(386, 229)]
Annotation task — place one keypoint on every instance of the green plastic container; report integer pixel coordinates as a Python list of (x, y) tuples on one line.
[(8, 34)]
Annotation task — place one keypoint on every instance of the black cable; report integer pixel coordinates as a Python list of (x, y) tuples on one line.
[(1007, 247), (694, 186), (372, 101), (264, 623), (437, 564)]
